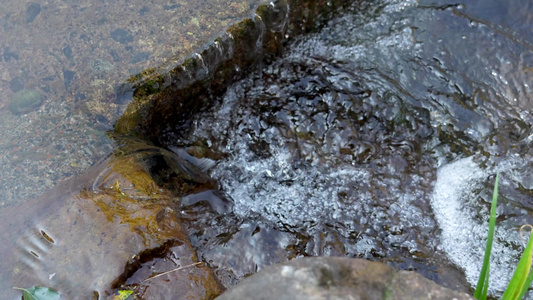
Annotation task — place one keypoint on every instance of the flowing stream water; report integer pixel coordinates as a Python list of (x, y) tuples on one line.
[(377, 137)]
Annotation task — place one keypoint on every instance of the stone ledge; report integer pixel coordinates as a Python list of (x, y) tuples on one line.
[(167, 100)]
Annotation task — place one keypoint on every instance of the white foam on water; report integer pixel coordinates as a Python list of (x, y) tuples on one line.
[(463, 235), (299, 197), (275, 188), (301, 188)]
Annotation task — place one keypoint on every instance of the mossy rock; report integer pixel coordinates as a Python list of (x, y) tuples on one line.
[(110, 227), (25, 101)]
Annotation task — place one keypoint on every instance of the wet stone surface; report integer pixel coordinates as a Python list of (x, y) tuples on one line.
[(329, 168)]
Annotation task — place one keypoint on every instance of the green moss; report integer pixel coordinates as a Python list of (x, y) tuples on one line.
[(242, 29), (25, 101)]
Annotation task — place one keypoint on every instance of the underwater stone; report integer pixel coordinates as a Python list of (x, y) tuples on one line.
[(8, 54), (68, 75), (25, 101), (16, 84), (32, 12), (122, 36)]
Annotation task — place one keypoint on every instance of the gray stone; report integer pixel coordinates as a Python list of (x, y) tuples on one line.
[(338, 278)]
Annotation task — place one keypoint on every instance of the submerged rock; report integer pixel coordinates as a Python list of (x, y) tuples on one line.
[(338, 278), (25, 101), (103, 232)]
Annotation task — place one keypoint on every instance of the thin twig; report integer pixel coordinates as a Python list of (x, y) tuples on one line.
[(521, 235), (177, 269)]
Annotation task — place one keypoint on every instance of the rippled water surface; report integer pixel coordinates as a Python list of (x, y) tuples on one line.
[(378, 137)]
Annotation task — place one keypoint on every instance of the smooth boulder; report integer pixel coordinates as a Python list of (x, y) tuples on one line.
[(338, 278)]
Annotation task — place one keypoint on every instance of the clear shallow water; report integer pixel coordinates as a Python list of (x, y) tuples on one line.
[(79, 56), (379, 137)]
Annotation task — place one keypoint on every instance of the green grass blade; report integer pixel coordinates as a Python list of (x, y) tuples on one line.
[(485, 289), (526, 286), (521, 274), (483, 282)]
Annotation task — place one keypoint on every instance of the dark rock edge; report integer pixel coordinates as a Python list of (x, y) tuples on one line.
[(163, 100)]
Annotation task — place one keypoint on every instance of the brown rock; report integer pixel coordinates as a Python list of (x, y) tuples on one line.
[(100, 231)]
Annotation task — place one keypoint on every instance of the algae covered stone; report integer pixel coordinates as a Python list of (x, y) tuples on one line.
[(25, 101)]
